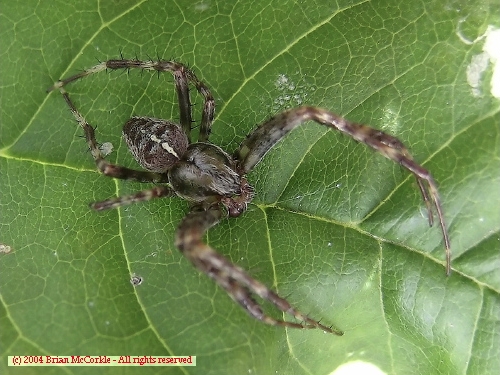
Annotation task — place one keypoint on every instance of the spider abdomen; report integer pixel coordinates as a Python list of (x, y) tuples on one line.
[(205, 170), (156, 144)]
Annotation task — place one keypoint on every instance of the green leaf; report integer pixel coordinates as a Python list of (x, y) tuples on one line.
[(336, 228)]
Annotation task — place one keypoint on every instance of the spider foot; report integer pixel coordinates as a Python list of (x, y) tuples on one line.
[(243, 296)]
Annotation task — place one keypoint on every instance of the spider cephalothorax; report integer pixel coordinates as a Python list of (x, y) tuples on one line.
[(214, 182)]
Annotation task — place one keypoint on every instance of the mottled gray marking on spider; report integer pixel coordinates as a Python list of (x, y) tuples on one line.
[(214, 182)]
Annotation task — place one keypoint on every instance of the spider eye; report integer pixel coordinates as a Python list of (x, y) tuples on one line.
[(156, 144)]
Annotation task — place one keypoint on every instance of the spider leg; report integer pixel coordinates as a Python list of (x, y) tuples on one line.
[(182, 76), (238, 284), (141, 196), (106, 168), (426, 199), (258, 143)]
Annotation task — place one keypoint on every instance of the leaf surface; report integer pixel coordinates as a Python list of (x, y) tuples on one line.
[(336, 228)]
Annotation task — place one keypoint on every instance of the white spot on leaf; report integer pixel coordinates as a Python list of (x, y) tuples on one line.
[(292, 94), (5, 249), (480, 62), (356, 368), (106, 148), (136, 280)]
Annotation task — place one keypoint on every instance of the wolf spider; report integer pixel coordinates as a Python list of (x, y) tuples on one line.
[(214, 181)]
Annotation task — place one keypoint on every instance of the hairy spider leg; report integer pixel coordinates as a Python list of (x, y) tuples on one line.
[(182, 76), (106, 168), (238, 284), (160, 191), (262, 139), (117, 171)]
